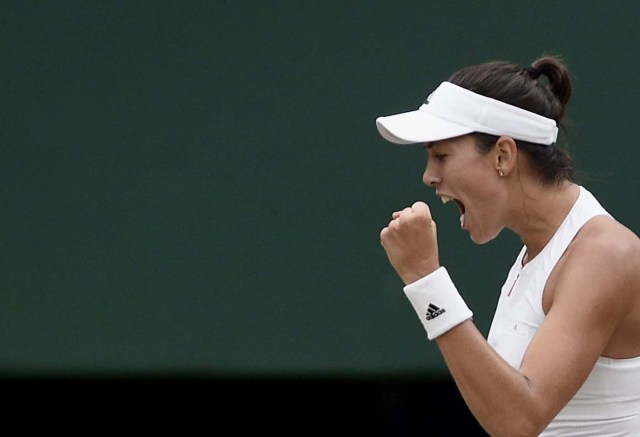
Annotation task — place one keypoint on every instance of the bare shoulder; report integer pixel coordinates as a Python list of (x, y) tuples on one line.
[(610, 243), (604, 257)]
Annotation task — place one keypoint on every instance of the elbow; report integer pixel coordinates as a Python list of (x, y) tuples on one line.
[(524, 429), (516, 429), (520, 422)]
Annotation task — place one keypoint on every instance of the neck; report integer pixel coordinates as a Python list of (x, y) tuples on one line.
[(541, 212)]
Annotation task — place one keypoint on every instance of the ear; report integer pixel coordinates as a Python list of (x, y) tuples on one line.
[(506, 155)]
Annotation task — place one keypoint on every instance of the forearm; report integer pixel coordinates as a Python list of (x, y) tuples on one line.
[(499, 396)]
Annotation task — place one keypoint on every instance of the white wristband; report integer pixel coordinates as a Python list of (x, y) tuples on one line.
[(437, 303)]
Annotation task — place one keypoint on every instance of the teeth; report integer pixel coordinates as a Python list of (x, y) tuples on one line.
[(446, 199)]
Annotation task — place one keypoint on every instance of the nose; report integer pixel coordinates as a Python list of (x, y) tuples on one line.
[(430, 177)]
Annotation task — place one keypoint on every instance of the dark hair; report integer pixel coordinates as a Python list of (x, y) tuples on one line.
[(523, 87)]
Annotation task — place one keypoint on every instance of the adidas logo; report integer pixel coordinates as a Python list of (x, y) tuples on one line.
[(433, 311)]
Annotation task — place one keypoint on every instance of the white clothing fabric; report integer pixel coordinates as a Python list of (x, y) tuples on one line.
[(608, 403)]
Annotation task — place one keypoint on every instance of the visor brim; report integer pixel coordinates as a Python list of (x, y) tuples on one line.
[(418, 127)]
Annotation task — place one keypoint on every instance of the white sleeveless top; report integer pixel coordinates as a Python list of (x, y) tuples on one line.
[(608, 403)]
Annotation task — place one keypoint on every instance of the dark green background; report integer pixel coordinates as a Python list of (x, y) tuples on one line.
[(198, 187)]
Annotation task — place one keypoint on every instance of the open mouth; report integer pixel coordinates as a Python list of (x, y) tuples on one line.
[(447, 199)]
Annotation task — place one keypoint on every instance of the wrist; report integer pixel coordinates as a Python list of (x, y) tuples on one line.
[(437, 302), (418, 274)]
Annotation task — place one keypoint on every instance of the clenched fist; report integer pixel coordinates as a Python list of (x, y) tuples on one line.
[(411, 242)]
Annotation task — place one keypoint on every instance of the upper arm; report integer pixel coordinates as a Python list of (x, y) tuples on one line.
[(590, 296)]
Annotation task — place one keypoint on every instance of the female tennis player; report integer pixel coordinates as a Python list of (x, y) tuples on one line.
[(562, 356)]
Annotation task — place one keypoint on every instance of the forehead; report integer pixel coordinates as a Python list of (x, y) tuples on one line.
[(450, 143)]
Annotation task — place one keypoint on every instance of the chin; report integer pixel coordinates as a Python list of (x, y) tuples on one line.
[(483, 238)]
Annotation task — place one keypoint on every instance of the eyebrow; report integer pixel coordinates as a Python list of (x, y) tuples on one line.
[(429, 145)]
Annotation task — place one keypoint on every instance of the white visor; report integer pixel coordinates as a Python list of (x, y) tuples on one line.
[(451, 111)]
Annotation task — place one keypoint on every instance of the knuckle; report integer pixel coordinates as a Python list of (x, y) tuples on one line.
[(420, 207)]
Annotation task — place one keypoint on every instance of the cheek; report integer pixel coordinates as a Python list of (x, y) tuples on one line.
[(475, 182), (481, 197)]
